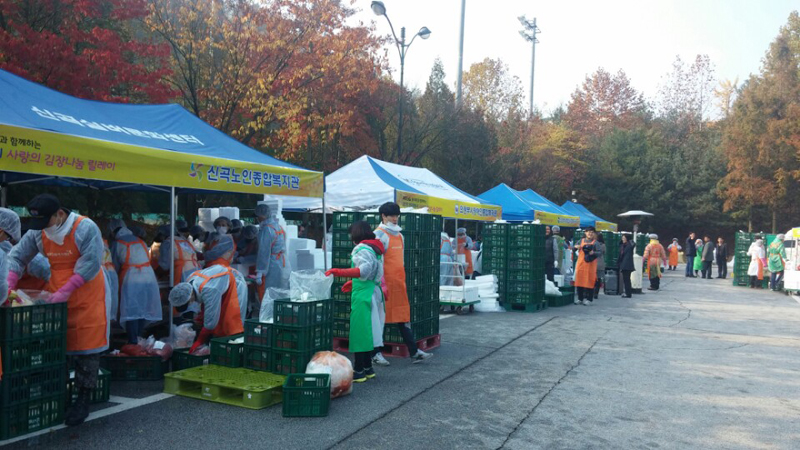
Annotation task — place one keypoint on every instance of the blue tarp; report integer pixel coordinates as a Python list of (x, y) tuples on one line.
[(515, 208), (587, 217), (543, 204)]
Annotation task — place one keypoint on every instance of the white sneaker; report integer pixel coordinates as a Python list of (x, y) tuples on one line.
[(587, 302), (379, 360), (420, 356), (577, 302)]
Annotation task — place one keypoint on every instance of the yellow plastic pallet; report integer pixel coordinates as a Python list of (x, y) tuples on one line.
[(232, 386)]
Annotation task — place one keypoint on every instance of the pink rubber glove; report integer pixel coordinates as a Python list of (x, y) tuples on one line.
[(61, 295), (12, 279)]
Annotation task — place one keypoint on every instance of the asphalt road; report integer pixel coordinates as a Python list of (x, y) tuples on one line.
[(699, 364)]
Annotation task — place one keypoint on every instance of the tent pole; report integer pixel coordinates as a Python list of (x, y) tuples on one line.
[(3, 195), (171, 252), (324, 235)]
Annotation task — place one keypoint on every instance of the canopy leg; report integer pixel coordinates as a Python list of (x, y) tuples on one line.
[(172, 201), (324, 235)]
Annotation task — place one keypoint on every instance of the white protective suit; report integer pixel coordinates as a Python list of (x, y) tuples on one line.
[(372, 270), (187, 249), (5, 249), (272, 260), (111, 278), (756, 252), (214, 290), (447, 255), (139, 295), (219, 246), (90, 245)]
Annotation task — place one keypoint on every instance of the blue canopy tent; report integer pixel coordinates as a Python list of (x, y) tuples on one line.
[(588, 218), (527, 206)]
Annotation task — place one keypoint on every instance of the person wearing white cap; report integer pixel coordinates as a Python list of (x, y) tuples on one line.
[(463, 244), (272, 266), (673, 250), (758, 257), (776, 256), (655, 255), (223, 293), (9, 233)]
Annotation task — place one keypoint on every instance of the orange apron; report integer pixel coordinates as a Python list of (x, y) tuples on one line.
[(673, 255), (127, 264), (87, 323), (655, 255), (760, 269), (29, 282), (585, 273), (183, 262), (461, 242), (230, 321), (226, 259), (397, 307), (262, 288)]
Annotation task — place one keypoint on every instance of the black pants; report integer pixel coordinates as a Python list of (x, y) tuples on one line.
[(626, 281), (408, 338), (363, 361), (707, 269), (549, 270), (775, 279), (722, 268), (585, 293), (597, 285), (655, 283), (86, 367), (755, 282)]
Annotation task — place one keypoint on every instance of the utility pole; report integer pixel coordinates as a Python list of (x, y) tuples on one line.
[(529, 32), (460, 56)]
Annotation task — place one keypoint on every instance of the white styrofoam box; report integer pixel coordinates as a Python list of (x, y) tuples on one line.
[(305, 260), (208, 226), (302, 244), (489, 297), (458, 293), (329, 259), (231, 212), (487, 278), (558, 280), (275, 205), (244, 269), (207, 214), (477, 261), (291, 231)]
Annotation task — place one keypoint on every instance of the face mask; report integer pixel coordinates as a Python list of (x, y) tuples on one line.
[(57, 232), (222, 230)]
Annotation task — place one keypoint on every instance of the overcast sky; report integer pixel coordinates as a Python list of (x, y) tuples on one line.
[(578, 36)]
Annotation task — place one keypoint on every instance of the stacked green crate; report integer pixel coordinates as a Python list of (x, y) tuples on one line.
[(642, 240), (34, 386), (525, 274), (422, 242), (742, 242), (612, 241), (495, 254)]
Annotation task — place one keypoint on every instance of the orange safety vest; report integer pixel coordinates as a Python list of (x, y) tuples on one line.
[(230, 320), (87, 323), (127, 264), (585, 272), (184, 260), (462, 250), (226, 259), (397, 307), (262, 288), (673, 255)]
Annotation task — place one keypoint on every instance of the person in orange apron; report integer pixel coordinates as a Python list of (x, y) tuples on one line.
[(654, 254), (222, 293), (464, 246), (221, 249), (139, 297), (185, 258), (398, 310), (37, 274), (272, 266), (9, 233), (755, 270), (74, 246), (673, 251), (586, 267)]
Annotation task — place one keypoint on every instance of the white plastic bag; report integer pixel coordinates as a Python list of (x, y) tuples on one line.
[(309, 285), (340, 369), (183, 335), (550, 288), (267, 303)]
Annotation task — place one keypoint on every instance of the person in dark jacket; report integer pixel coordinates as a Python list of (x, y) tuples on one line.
[(626, 250), (690, 253), (707, 257), (550, 254), (722, 258)]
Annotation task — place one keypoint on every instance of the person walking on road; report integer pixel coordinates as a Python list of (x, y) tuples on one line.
[(776, 255), (673, 251), (626, 267), (722, 259), (707, 257), (586, 267), (655, 255), (690, 252)]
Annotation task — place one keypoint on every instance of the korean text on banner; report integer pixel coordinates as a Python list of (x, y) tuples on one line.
[(605, 226), (547, 218), (45, 153), (449, 208)]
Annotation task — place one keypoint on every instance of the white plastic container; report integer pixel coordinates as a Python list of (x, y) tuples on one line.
[(231, 212), (207, 214)]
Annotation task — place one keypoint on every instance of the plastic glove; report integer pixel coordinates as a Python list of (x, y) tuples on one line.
[(12, 279), (74, 282), (202, 338), (348, 287), (355, 272)]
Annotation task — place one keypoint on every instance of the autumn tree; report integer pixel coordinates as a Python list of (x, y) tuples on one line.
[(490, 87), (685, 96), (86, 48)]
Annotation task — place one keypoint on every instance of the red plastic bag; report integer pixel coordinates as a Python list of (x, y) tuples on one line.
[(338, 367)]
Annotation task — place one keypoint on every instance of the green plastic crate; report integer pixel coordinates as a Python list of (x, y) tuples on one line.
[(100, 394), (32, 384), (310, 338), (341, 309), (302, 314), (306, 395), (33, 415), (343, 220), (257, 358), (226, 354), (181, 359), (341, 328), (135, 368), (34, 321), (286, 362), (33, 352), (257, 333)]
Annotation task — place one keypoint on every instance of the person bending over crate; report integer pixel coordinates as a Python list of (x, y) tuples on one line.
[(366, 300), (222, 294), (398, 310), (74, 246)]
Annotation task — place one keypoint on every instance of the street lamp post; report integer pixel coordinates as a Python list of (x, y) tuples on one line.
[(402, 48)]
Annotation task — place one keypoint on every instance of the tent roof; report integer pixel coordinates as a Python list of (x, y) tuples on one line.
[(587, 217), (542, 203), (528, 205), (111, 127)]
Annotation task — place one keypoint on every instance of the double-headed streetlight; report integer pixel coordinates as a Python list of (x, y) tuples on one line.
[(380, 10)]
